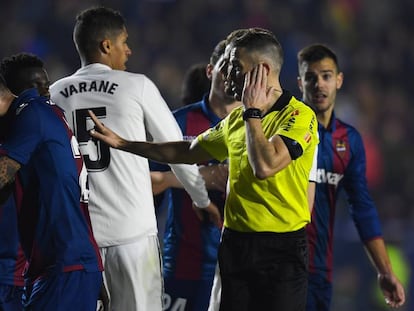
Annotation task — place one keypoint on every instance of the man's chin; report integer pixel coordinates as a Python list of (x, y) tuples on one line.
[(320, 108)]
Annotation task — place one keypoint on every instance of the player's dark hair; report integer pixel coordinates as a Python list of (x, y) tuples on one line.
[(235, 34), (217, 52), (195, 84), (315, 53), (3, 84), (15, 70), (94, 25), (262, 41)]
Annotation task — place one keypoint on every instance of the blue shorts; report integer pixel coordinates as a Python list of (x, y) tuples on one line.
[(187, 295), (68, 291), (11, 298), (319, 293)]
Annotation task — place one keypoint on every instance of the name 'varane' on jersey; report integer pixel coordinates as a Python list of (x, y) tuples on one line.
[(121, 203)]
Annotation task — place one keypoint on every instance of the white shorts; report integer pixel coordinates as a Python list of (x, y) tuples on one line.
[(132, 275), (214, 304)]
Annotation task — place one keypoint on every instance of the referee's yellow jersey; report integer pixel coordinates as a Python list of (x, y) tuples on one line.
[(278, 203)]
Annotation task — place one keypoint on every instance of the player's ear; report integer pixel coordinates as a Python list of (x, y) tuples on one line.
[(300, 85), (209, 71), (339, 80), (105, 46)]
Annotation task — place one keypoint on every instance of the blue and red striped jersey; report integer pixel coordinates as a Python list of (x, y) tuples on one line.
[(12, 260), (190, 246), (54, 226), (341, 166)]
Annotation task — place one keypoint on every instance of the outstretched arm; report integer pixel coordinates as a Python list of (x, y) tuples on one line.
[(169, 152), (389, 284)]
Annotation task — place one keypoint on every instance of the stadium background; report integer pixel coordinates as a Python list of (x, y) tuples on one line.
[(374, 40)]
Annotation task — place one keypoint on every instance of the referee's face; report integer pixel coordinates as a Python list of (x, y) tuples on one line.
[(120, 51)]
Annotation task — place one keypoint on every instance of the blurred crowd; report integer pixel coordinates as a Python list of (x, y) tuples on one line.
[(373, 39)]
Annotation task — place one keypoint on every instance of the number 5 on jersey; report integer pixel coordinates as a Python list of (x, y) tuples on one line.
[(96, 154)]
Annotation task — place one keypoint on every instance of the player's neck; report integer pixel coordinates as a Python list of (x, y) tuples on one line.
[(324, 118), (220, 106)]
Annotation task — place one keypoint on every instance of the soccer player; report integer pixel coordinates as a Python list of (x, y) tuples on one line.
[(269, 142), (12, 260), (195, 84), (121, 200), (64, 266), (191, 245), (341, 166), (23, 71)]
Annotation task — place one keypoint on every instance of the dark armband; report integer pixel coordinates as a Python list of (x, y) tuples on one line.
[(295, 149), (252, 113)]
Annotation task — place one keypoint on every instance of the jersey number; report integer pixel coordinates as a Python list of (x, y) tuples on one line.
[(96, 154)]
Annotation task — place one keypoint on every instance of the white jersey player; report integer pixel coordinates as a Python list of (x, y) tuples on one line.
[(121, 201)]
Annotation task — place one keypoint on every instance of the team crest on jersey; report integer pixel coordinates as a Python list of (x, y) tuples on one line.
[(340, 146)]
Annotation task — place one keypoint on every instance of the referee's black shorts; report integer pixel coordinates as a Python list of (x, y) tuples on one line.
[(263, 271)]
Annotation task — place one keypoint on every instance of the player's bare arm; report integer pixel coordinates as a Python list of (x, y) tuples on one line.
[(266, 156), (171, 152), (8, 169), (391, 287)]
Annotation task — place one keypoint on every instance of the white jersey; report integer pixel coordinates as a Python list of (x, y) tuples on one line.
[(314, 168), (120, 195)]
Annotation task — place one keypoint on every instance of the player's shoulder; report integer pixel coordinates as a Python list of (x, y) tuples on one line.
[(295, 104), (29, 100), (122, 74), (187, 108), (58, 83), (82, 74), (131, 76)]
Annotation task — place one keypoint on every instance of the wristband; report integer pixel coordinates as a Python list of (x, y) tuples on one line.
[(252, 113)]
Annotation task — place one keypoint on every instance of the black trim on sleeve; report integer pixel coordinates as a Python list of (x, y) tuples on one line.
[(295, 149)]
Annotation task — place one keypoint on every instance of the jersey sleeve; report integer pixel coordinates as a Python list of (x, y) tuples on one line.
[(25, 136), (213, 141), (314, 168), (301, 126), (362, 208), (162, 126)]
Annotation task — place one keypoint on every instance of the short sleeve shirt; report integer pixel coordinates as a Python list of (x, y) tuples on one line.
[(278, 203), (54, 224)]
